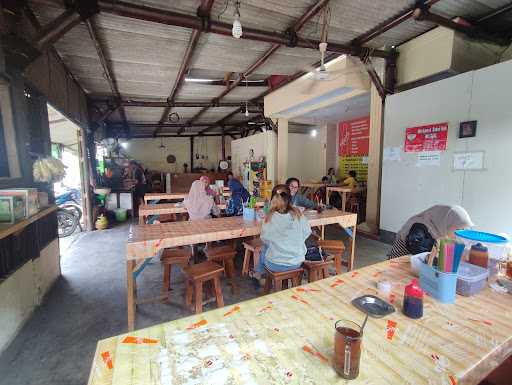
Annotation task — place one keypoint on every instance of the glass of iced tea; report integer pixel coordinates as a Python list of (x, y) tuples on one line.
[(347, 348)]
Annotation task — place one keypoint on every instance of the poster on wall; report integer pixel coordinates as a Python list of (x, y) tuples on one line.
[(432, 137), (353, 146)]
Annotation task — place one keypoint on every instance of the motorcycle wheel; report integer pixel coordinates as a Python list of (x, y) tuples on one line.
[(67, 223)]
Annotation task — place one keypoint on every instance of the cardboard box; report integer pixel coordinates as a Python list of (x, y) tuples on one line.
[(29, 196), (12, 209)]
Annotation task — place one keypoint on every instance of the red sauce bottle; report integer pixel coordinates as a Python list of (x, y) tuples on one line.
[(413, 300)]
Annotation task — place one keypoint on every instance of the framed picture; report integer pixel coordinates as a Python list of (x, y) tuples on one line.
[(467, 129)]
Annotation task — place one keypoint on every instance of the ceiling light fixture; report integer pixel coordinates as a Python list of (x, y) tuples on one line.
[(313, 133), (237, 26)]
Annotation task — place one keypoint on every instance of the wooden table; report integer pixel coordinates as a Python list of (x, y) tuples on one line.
[(344, 194), (145, 241), (172, 208), (177, 196), (288, 338)]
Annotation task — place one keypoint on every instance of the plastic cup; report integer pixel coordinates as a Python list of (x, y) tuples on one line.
[(347, 348)]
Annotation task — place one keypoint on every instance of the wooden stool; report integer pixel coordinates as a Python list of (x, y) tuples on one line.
[(252, 249), (336, 248), (225, 256), (195, 276), (169, 257), (280, 279), (317, 269)]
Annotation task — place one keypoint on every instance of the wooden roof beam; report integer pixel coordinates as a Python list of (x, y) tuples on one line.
[(203, 11), (107, 70), (311, 12)]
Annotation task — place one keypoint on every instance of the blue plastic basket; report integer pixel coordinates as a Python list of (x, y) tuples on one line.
[(441, 286)]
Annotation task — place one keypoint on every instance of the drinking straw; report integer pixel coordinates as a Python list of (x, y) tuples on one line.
[(449, 257), (459, 250), (440, 257)]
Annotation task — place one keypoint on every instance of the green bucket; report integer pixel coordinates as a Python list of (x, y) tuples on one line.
[(121, 215)]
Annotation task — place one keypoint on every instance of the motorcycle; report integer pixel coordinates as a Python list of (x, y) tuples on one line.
[(69, 213)]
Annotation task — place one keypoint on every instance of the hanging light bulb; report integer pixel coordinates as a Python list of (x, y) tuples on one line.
[(246, 110), (236, 31)]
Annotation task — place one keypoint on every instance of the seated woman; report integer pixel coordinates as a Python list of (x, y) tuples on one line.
[(239, 195), (350, 181), (298, 199), (419, 234), (331, 176), (283, 233), (206, 180), (198, 204)]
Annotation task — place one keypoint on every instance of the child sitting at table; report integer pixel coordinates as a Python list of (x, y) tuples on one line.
[(350, 181), (283, 233), (198, 204)]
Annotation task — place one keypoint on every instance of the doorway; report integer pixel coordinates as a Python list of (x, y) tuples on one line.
[(70, 193)]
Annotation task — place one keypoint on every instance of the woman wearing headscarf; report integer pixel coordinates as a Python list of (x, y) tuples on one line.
[(239, 195), (206, 180), (198, 204), (420, 232)]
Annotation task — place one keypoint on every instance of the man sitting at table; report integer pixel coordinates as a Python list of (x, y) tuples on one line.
[(297, 198)]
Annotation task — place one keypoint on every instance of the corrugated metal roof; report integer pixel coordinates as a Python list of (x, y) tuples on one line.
[(145, 56)]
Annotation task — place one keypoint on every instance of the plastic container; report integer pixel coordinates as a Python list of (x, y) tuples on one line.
[(471, 279), (441, 286), (417, 261), (496, 244), (249, 214), (121, 215), (413, 300)]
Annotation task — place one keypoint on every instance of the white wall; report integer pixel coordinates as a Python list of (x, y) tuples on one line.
[(22, 291), (263, 144), (482, 95), (147, 152), (307, 155)]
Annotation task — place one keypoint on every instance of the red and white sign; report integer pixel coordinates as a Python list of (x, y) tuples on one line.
[(432, 137), (354, 139)]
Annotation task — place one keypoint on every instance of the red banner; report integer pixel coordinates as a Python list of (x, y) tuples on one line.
[(354, 138), (432, 137)]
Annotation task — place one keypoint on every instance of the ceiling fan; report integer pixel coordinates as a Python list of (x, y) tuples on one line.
[(322, 73)]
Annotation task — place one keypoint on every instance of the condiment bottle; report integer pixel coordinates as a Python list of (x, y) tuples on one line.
[(413, 300), (479, 255)]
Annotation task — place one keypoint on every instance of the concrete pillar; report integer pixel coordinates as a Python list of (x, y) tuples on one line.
[(322, 136), (371, 224), (282, 150)]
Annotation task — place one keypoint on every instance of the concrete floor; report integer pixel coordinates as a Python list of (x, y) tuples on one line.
[(88, 303)]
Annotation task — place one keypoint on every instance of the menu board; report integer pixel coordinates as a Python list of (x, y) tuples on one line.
[(354, 137), (353, 146), (432, 137)]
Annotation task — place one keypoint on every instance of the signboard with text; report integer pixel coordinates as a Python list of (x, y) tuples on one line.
[(354, 137), (353, 146), (432, 137)]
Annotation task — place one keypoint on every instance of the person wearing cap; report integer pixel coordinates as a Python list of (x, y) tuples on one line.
[(420, 232)]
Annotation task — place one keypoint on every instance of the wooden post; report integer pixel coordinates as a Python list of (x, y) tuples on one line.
[(131, 291), (282, 150), (371, 224), (191, 154)]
